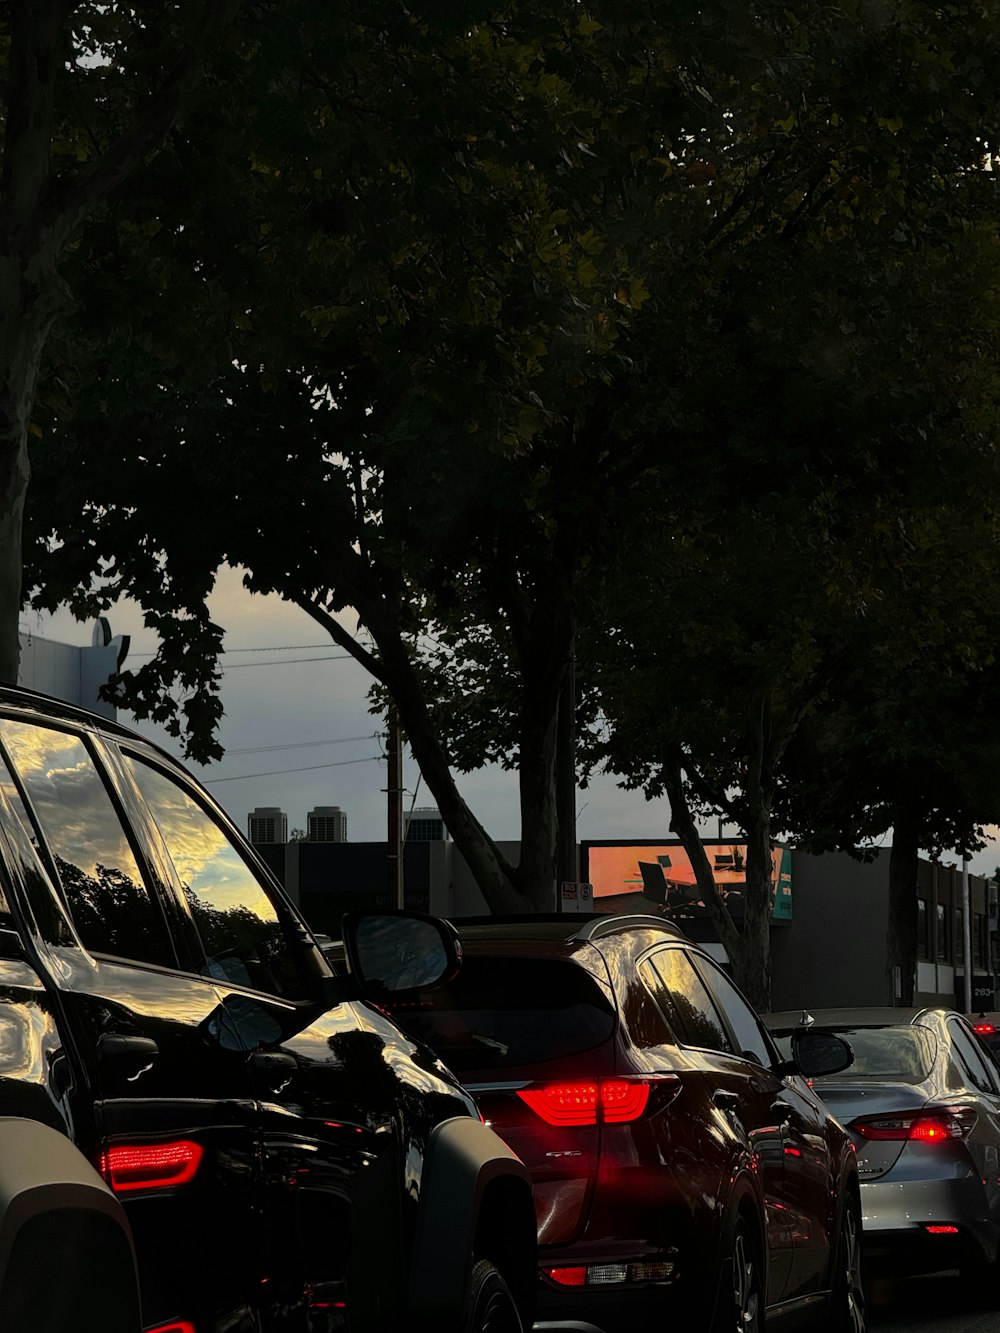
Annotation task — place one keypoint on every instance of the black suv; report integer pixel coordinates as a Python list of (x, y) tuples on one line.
[(686, 1175), (287, 1159)]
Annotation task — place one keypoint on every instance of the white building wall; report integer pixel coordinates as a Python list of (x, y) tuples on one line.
[(69, 672)]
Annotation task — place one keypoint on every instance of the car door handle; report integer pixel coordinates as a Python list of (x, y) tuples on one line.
[(115, 1047), (275, 1066), (128, 1056), (726, 1100)]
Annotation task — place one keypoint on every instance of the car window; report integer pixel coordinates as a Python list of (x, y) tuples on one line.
[(902, 1054), (750, 1037), (970, 1059), (242, 937), (110, 904), (502, 1012), (24, 841), (685, 1003)]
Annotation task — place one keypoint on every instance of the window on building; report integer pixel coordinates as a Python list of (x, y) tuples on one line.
[(959, 935), (943, 951), (923, 922), (978, 939)]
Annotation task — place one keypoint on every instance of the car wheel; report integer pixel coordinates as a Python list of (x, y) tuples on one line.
[(491, 1307), (739, 1306), (980, 1280), (848, 1311)]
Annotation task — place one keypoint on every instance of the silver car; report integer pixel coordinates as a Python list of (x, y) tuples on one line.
[(922, 1104)]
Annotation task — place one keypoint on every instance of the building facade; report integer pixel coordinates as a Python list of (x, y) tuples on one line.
[(424, 825), (71, 672), (829, 923)]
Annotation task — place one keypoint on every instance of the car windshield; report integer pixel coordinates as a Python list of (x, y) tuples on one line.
[(902, 1054), (502, 1012)]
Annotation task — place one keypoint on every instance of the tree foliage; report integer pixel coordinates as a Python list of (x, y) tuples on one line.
[(505, 329), (88, 89)]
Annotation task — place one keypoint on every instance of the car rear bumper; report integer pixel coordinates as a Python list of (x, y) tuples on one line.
[(898, 1215)]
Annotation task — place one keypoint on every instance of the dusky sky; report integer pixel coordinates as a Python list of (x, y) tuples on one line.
[(298, 734)]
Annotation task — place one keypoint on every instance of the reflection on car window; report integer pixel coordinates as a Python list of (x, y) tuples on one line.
[(903, 1054), (687, 1005), (104, 890), (742, 1019), (25, 843), (500, 1012), (975, 1067), (240, 930)]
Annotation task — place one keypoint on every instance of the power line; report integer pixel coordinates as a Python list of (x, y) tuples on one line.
[(291, 661), (275, 648), (282, 661), (300, 745), (309, 768)]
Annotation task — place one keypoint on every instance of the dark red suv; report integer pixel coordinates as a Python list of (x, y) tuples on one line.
[(681, 1166)]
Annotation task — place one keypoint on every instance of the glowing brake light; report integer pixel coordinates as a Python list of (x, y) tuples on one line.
[(592, 1101), (984, 1029), (938, 1125), (149, 1166), (175, 1326)]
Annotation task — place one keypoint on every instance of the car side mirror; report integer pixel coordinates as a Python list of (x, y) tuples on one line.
[(393, 952), (817, 1053)]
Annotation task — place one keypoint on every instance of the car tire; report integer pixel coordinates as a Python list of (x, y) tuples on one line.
[(980, 1279), (490, 1307), (739, 1304), (848, 1306)]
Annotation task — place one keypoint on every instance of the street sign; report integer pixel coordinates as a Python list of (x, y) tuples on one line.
[(576, 897)]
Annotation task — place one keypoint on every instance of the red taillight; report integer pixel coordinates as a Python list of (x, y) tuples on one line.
[(984, 1029), (568, 1277), (940, 1229), (940, 1125), (150, 1166), (592, 1101), (175, 1326)]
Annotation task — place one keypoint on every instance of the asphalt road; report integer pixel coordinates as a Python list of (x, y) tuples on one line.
[(936, 1304)]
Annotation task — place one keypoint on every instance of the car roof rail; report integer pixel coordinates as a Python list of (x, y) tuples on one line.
[(589, 926), (596, 926)]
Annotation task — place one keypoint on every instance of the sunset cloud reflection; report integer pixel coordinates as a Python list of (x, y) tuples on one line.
[(207, 863)]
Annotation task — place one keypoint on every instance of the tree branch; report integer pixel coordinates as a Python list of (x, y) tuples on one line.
[(72, 204)]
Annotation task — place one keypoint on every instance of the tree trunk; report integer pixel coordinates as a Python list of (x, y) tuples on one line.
[(748, 946), (493, 873), (21, 343), (901, 943), (753, 971), (536, 872), (682, 823), (567, 856)]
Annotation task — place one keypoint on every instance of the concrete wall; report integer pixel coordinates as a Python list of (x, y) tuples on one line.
[(69, 672), (834, 951), (461, 892)]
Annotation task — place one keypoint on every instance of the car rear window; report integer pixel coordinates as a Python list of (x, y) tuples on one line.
[(503, 1012), (902, 1054)]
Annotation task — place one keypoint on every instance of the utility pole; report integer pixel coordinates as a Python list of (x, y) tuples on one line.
[(394, 791)]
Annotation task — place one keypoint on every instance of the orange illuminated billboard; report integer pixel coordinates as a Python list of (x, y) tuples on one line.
[(631, 876)]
